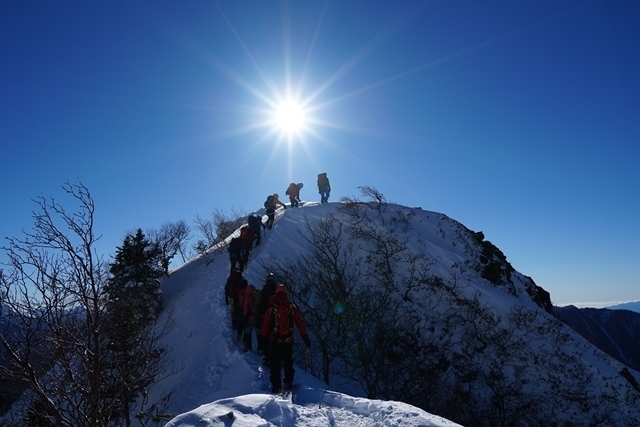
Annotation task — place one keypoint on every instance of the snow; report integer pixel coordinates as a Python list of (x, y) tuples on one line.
[(213, 377), (216, 377), (312, 408)]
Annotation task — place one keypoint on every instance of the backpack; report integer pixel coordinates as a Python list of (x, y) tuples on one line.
[(246, 234), (282, 322), (322, 180), (261, 302), (269, 203), (290, 189)]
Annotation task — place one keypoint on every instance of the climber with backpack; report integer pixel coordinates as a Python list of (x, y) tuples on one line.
[(259, 308), (235, 253), (256, 225), (231, 295), (246, 237), (270, 206), (324, 188), (293, 191), (277, 330)]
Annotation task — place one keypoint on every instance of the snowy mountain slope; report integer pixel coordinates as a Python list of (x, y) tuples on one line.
[(488, 326), (214, 369), (614, 331)]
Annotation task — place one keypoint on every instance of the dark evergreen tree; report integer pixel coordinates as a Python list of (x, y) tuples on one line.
[(134, 283), (133, 303)]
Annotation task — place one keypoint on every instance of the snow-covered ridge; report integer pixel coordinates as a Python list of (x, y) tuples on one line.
[(216, 370)]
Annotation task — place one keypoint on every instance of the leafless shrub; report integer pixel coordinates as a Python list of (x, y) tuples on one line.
[(172, 239), (216, 228)]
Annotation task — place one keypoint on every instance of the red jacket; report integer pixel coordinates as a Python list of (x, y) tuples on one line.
[(279, 305)]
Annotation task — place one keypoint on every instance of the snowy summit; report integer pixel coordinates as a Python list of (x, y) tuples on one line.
[(227, 386), (482, 322)]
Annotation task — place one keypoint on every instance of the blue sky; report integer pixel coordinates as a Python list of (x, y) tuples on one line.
[(518, 119)]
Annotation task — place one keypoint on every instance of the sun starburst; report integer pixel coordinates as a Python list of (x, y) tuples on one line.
[(290, 117)]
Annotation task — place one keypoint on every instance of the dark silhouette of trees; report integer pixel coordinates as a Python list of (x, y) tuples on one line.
[(69, 335), (133, 301)]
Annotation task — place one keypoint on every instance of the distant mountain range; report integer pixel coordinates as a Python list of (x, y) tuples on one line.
[(633, 306)]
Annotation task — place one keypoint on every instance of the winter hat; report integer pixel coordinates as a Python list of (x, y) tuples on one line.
[(281, 288)]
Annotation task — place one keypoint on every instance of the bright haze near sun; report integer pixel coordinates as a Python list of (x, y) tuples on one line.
[(290, 117), (291, 106)]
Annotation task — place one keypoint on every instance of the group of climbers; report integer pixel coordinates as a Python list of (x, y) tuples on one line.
[(270, 313), (293, 191)]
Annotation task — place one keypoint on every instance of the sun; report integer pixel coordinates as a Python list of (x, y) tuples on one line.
[(290, 117)]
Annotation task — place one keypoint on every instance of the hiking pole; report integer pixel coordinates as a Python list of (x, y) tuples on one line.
[(306, 360)]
